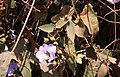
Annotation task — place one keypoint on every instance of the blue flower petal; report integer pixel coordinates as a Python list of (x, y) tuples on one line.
[(46, 52), (12, 68), (113, 1)]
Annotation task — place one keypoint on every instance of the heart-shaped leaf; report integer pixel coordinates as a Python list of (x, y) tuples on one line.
[(70, 30), (47, 27), (89, 18), (80, 29), (41, 16), (61, 23)]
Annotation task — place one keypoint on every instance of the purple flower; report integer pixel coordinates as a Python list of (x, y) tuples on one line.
[(113, 1), (46, 52), (27, 7), (11, 34), (12, 68)]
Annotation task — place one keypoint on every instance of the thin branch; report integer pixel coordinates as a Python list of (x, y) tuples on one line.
[(110, 44), (108, 20), (108, 7), (26, 2), (23, 27), (111, 12), (114, 26)]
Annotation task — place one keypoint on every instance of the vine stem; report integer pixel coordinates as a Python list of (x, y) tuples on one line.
[(110, 44), (114, 26), (13, 50)]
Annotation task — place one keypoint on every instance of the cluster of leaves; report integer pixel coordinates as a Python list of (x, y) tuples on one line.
[(71, 25)]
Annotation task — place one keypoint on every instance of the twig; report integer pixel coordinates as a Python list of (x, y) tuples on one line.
[(23, 27), (108, 7), (108, 20), (26, 2), (110, 44), (114, 26), (111, 12)]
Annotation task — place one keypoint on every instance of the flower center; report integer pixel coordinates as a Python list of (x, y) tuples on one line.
[(48, 54)]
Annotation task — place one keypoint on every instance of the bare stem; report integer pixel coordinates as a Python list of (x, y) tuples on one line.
[(13, 50), (114, 26)]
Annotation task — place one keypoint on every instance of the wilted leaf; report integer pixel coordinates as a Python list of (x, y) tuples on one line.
[(103, 70), (70, 30), (80, 29), (90, 52), (47, 27), (90, 19)]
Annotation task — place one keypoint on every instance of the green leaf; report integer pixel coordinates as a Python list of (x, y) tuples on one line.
[(20, 46), (70, 30), (70, 50), (62, 14), (61, 23), (89, 74), (65, 9), (41, 16), (72, 65), (26, 70), (57, 17), (13, 4), (89, 18), (47, 27), (2, 47)]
